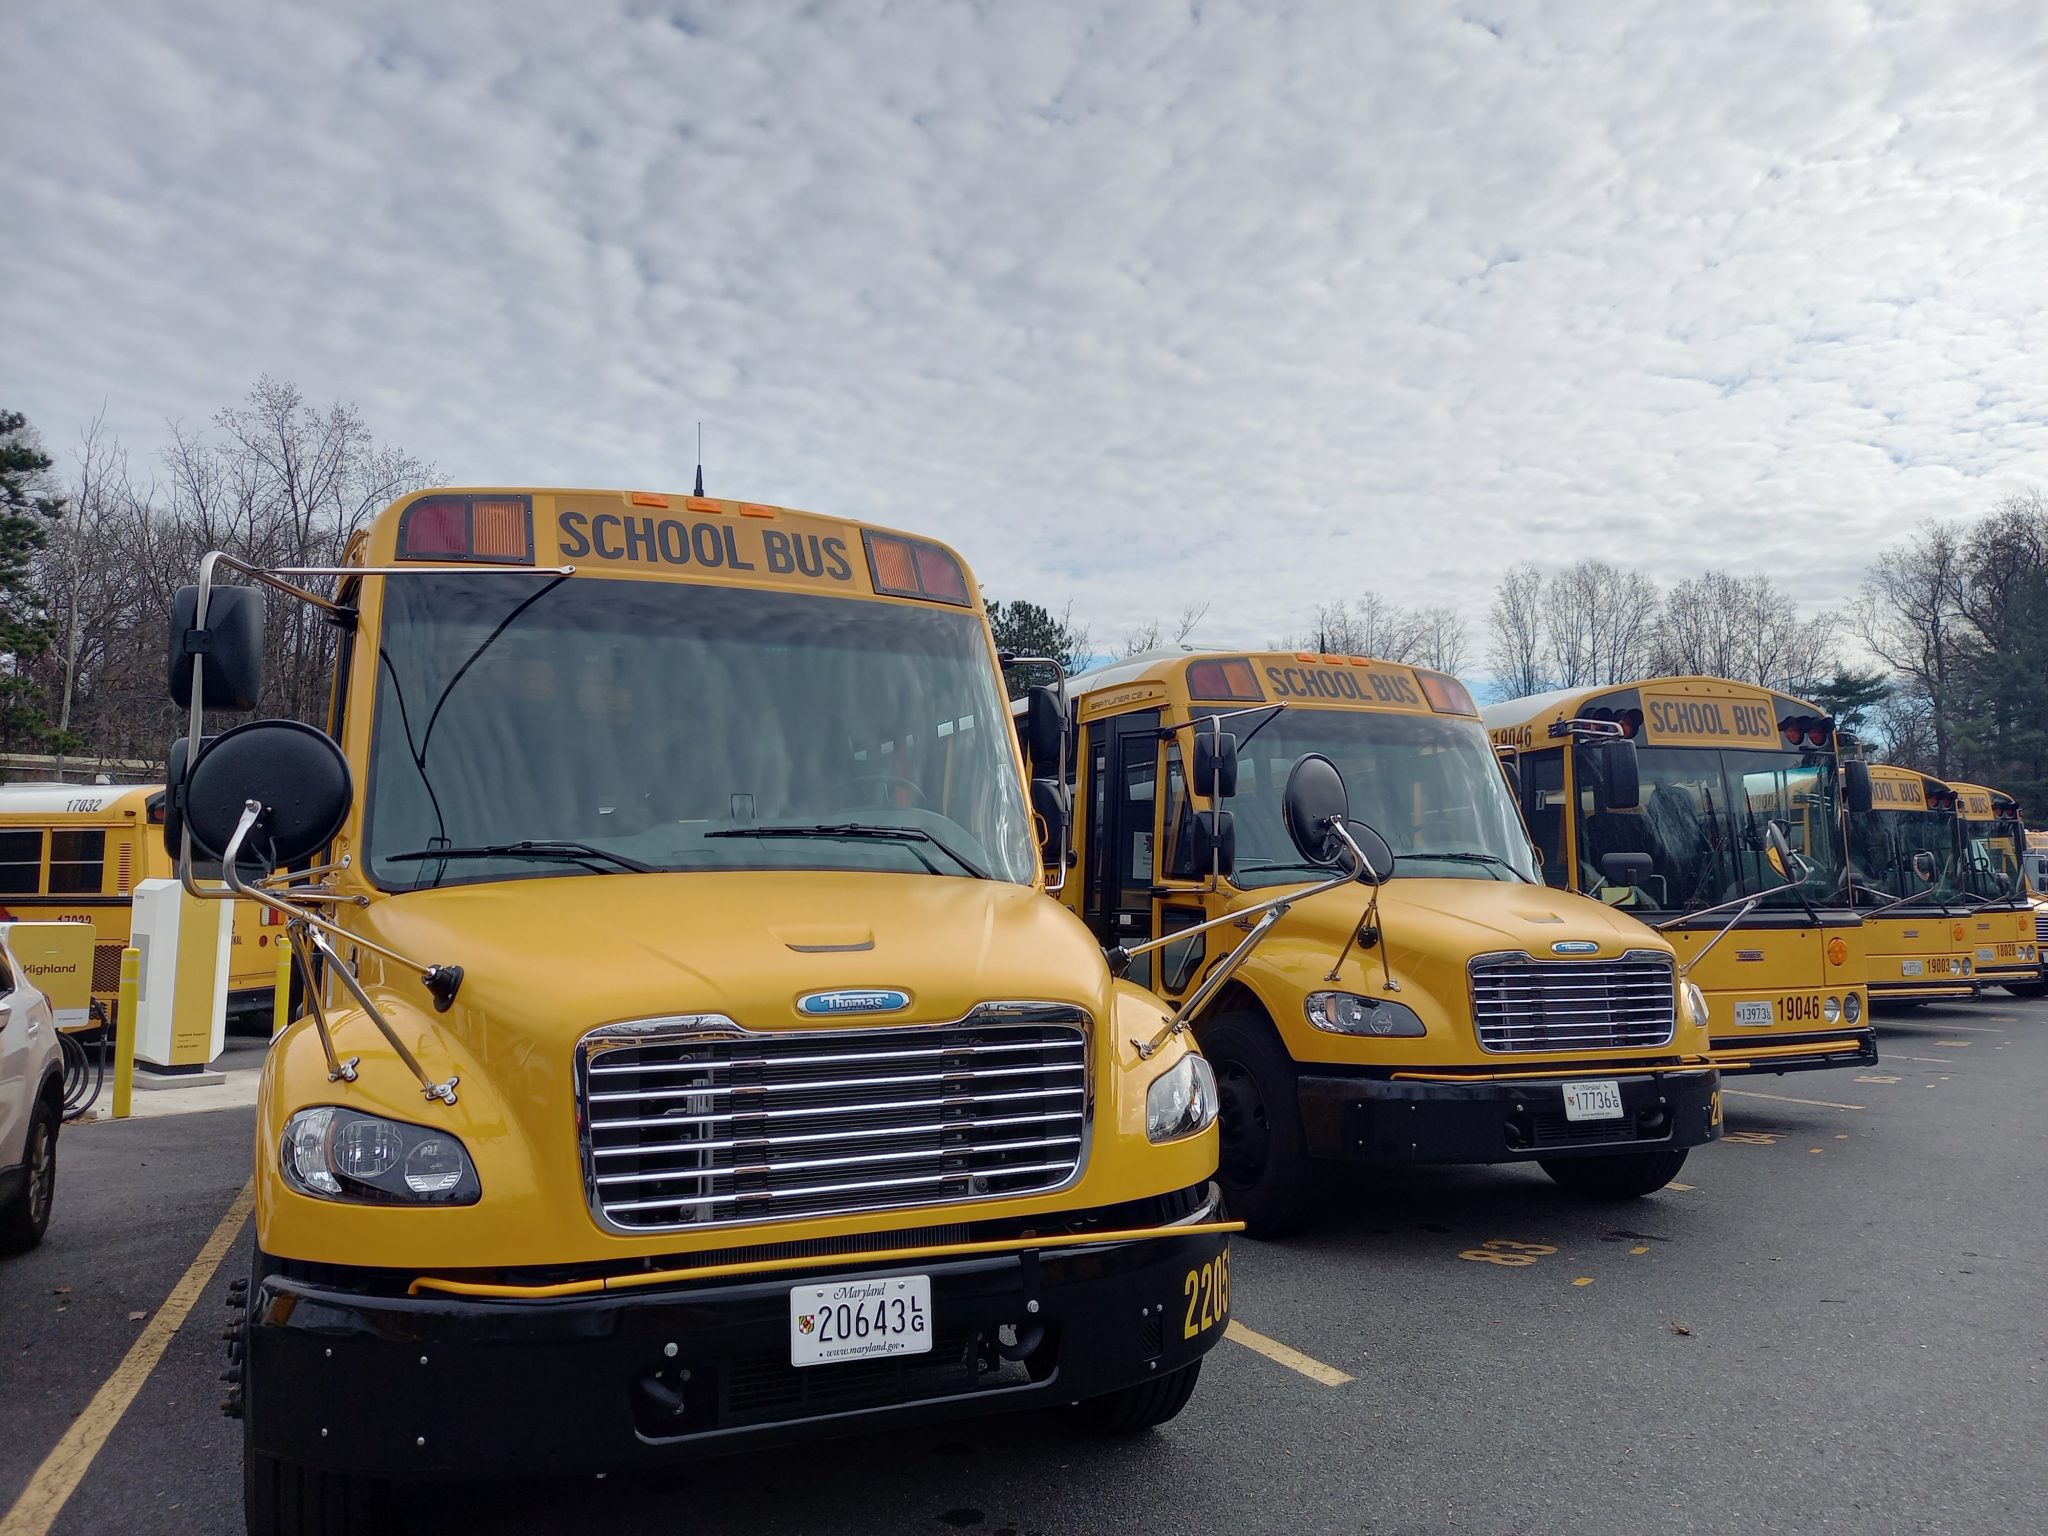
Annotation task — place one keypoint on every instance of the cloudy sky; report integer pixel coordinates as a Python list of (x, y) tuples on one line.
[(1262, 304)]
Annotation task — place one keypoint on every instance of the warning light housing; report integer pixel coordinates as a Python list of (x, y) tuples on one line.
[(494, 530), (904, 567), (1446, 695), (1225, 677)]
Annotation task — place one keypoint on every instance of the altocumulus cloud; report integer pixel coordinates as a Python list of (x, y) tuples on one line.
[(1263, 304)]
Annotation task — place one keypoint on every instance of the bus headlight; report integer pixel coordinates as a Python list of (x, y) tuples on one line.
[(1852, 1007), (1696, 1005), (1831, 1009), (341, 1154), (1346, 1013), (1181, 1100)]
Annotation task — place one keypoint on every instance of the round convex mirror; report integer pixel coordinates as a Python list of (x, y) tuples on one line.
[(297, 774)]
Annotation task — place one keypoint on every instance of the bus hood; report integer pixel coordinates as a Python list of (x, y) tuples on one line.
[(558, 956), (1453, 920)]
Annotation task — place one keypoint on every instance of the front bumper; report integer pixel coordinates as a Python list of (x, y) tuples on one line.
[(1796, 1053), (438, 1386), (1502, 1119), (1962, 989)]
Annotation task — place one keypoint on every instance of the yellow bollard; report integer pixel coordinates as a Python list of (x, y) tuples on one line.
[(125, 1020), (281, 986)]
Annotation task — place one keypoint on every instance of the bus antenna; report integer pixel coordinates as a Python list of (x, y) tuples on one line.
[(700, 460)]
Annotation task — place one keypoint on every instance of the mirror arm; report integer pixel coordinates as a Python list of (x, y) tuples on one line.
[(429, 1089), (435, 977), (338, 1071), (1748, 906), (1270, 910)]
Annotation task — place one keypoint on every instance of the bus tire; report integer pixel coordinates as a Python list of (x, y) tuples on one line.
[(1266, 1173), (1624, 1176), (1146, 1405), (2025, 988), (26, 1217)]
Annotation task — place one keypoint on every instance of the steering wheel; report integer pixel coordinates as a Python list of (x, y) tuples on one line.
[(917, 797)]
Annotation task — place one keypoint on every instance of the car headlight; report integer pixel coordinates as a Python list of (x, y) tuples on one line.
[(1852, 1007), (1696, 1005), (1831, 1009), (1346, 1013), (342, 1154), (1181, 1100)]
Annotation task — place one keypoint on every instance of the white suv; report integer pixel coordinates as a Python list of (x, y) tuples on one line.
[(31, 1104)]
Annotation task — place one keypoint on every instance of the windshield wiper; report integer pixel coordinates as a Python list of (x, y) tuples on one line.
[(860, 829), (1464, 858), (601, 859)]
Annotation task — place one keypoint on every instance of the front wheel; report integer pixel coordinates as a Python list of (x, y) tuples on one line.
[(25, 1218), (1265, 1170), (1144, 1406), (1625, 1176)]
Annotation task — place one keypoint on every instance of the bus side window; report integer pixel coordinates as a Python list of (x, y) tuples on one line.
[(21, 861), (78, 861), (1543, 803)]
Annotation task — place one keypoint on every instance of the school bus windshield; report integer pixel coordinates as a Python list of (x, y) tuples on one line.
[(1702, 822), (1882, 845), (1994, 861), (1429, 785), (674, 726)]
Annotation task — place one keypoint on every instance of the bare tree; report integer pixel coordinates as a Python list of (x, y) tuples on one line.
[(1516, 646), (1367, 626), (1150, 635), (1599, 620), (1746, 628), (1911, 616), (1444, 640)]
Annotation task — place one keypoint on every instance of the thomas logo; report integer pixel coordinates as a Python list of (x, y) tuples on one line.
[(867, 1000), (1575, 947)]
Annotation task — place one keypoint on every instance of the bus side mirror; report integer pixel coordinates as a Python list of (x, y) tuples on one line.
[(1212, 843), (1215, 764), (1788, 865), (1621, 783), (1315, 805), (1627, 869), (1925, 867), (1856, 780), (1049, 810), (232, 644), (296, 773), (1045, 733)]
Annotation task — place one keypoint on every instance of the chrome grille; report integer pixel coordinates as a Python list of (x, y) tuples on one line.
[(2041, 926), (1520, 1003), (691, 1123)]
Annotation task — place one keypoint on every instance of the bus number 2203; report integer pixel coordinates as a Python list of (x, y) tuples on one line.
[(1208, 1292)]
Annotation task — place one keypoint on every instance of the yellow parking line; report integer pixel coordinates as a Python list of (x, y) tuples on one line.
[(1258, 1343), (65, 1467), (1967, 1029), (1783, 1098)]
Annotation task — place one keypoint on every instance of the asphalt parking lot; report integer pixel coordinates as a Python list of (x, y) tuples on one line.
[(1832, 1322)]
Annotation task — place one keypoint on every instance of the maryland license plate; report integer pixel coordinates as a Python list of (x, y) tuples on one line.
[(1598, 1100), (1754, 1013), (859, 1319), (1915, 967)]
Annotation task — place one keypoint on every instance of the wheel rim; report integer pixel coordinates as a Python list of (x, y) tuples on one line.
[(42, 1174), (1246, 1133)]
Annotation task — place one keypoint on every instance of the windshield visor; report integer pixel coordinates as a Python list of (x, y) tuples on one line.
[(1431, 786), (639, 718), (1702, 821)]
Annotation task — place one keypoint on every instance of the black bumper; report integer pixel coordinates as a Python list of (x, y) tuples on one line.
[(453, 1387), (1823, 1050), (1500, 1120)]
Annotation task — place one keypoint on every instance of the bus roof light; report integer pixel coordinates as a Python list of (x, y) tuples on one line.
[(904, 567), (1230, 678), (648, 499), (496, 530), (1446, 695)]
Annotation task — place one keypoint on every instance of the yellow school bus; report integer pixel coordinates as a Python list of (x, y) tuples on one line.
[(1452, 1009), (713, 1069), (1739, 823), (72, 853), (1991, 842), (1906, 874)]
